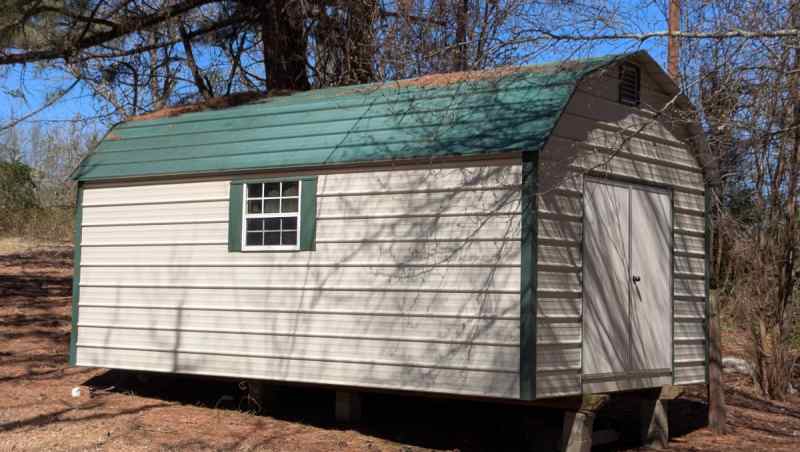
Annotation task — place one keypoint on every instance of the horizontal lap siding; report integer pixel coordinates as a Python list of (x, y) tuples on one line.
[(414, 283), (488, 330), (384, 302), (341, 372), (598, 135), (417, 253), (488, 278), (321, 347), (559, 288)]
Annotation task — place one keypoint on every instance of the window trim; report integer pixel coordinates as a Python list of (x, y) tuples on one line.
[(247, 216), (307, 214)]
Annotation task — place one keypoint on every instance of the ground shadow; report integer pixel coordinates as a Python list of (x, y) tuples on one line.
[(417, 421), (686, 416), (34, 300), (623, 416), (413, 420)]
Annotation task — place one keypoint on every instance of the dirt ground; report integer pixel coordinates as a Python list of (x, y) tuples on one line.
[(117, 411)]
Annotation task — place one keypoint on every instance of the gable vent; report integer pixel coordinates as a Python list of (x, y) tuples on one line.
[(629, 81)]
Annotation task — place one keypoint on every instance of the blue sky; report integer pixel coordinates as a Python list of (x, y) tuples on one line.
[(38, 83)]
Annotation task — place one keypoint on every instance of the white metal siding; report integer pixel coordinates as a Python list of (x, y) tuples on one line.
[(598, 134), (414, 284)]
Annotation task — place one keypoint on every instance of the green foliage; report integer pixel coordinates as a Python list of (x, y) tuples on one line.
[(36, 194), (17, 189)]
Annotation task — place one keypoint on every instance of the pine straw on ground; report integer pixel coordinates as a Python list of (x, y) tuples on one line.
[(118, 412)]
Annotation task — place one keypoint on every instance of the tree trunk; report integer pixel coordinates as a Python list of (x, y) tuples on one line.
[(284, 42), (674, 46), (717, 412), (361, 40), (462, 15)]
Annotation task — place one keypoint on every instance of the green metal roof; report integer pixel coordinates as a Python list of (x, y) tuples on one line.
[(466, 114)]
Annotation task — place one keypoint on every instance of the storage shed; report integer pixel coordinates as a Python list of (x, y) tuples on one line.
[(517, 234)]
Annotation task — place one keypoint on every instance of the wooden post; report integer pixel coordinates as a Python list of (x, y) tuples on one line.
[(655, 423), (579, 424), (673, 42), (578, 428)]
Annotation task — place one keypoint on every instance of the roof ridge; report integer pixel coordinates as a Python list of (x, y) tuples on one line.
[(427, 81)]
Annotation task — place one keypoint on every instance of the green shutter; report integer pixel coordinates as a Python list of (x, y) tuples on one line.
[(308, 213), (76, 276), (235, 217), (528, 273)]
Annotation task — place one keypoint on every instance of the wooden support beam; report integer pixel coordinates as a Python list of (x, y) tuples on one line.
[(670, 392), (579, 423), (586, 402), (655, 423), (577, 434)]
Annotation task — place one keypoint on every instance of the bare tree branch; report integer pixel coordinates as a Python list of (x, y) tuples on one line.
[(70, 48), (541, 34), (49, 103)]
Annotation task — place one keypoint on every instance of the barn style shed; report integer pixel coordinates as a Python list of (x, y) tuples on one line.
[(517, 234)]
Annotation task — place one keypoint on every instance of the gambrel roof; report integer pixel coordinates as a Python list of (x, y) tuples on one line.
[(462, 114)]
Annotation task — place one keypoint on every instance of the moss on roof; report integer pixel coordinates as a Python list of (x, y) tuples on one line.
[(459, 114)]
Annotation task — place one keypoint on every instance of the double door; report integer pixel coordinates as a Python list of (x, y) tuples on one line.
[(627, 286)]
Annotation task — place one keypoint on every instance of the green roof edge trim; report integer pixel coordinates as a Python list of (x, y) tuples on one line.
[(509, 110)]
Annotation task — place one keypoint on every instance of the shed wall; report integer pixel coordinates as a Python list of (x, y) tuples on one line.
[(599, 136), (414, 283)]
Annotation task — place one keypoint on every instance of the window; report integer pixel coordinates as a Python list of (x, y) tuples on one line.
[(272, 215), (629, 84)]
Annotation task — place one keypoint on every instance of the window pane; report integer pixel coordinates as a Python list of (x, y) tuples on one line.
[(254, 239), (272, 224), (289, 223), (255, 225), (271, 205), (290, 188), (253, 190), (272, 238), (272, 189), (254, 206), (289, 205), (289, 238)]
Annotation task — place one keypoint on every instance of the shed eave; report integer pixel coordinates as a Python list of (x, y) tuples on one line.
[(330, 167)]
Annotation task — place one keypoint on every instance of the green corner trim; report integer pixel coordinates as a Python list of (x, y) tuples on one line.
[(672, 283), (235, 216), (76, 276), (308, 213), (529, 284), (707, 268)]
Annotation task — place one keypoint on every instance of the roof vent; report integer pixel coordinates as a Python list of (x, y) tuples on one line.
[(629, 84)]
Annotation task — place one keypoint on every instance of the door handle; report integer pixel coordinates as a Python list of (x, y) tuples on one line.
[(636, 278)]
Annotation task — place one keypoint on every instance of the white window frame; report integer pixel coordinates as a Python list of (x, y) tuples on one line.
[(251, 216)]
